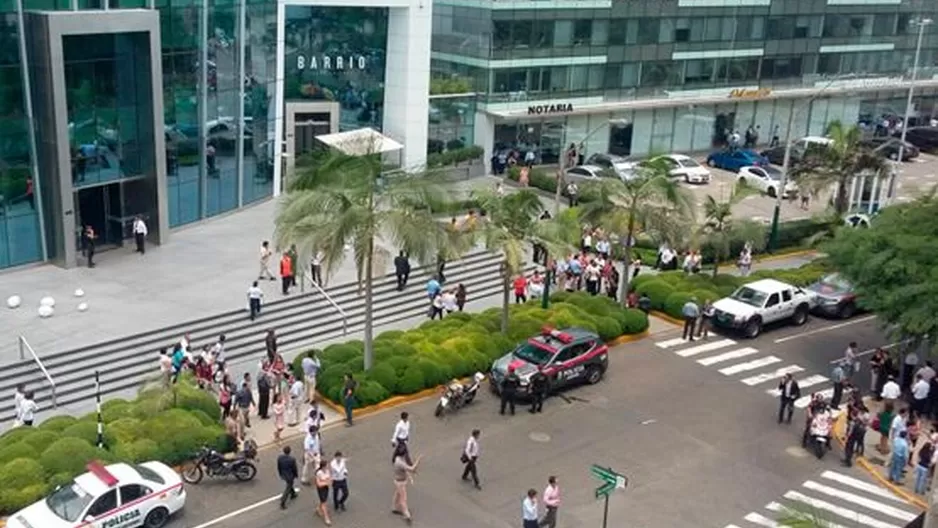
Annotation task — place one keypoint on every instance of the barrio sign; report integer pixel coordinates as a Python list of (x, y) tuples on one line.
[(331, 62), (558, 108)]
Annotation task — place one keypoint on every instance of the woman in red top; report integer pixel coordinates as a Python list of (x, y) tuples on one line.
[(203, 373), (277, 370), (521, 289)]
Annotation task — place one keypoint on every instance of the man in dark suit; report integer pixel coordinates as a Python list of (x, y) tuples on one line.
[(401, 270), (287, 469), (788, 392)]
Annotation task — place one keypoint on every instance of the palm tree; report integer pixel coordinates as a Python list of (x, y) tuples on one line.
[(836, 165), (650, 199), (335, 200), (719, 228), (510, 226)]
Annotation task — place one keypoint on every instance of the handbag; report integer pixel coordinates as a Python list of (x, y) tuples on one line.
[(463, 458)]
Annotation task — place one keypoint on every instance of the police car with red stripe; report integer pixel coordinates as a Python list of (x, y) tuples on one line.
[(567, 357), (115, 496)]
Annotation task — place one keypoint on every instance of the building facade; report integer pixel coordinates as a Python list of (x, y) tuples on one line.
[(634, 77), (181, 110)]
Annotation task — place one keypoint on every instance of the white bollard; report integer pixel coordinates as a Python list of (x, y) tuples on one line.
[(14, 301), (46, 311), (47, 301), (79, 292), (82, 307)]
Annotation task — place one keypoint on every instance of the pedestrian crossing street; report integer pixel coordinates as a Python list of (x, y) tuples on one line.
[(749, 365), (839, 499)]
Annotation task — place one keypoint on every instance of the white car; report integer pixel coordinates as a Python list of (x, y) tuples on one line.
[(622, 166), (115, 496), (762, 302), (685, 168), (588, 173), (767, 180)]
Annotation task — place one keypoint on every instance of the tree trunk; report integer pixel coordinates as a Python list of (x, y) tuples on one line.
[(506, 299), (369, 315), (840, 198), (626, 277)]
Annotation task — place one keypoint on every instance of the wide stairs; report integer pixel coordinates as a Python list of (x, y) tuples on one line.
[(301, 320)]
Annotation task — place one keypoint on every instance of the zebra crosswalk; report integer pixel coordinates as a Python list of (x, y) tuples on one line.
[(841, 500), (749, 365)]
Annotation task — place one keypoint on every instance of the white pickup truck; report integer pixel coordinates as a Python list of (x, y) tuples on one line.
[(761, 302)]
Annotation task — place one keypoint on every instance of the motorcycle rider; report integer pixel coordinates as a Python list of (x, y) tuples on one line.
[(813, 407), (509, 390), (821, 425), (539, 385)]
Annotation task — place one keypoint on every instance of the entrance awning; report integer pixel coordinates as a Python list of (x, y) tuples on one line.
[(360, 142)]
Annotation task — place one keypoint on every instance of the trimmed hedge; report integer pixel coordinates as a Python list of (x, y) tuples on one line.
[(669, 291), (160, 424), (459, 345)]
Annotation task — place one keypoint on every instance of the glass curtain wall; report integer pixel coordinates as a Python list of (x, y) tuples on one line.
[(19, 218)]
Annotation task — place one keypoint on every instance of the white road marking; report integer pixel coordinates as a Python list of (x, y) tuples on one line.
[(804, 383), (891, 511), (708, 347), (860, 485), (752, 365), (755, 518), (742, 352), (769, 376), (846, 513), (236, 513), (826, 329), (803, 401), (778, 508), (870, 351), (671, 343)]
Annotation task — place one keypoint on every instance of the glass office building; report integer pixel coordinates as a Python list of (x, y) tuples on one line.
[(181, 110), (634, 77)]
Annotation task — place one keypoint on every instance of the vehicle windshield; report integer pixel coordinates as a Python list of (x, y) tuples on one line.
[(69, 501), (149, 474), (533, 354), (688, 162), (774, 174), (834, 282), (749, 296)]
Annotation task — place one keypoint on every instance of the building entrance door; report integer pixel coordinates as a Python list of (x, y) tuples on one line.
[(620, 139), (101, 207), (303, 122), (723, 125)]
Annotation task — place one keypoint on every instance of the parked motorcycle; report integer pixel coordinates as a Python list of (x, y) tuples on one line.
[(216, 465), (457, 395)]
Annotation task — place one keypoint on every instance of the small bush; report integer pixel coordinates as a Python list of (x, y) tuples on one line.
[(636, 321), (16, 450), (141, 450), (84, 430), (657, 291), (57, 423), (191, 398), (706, 295), (123, 431), (369, 393), (40, 440), (608, 328), (68, 455), (412, 381), (384, 375), (23, 483)]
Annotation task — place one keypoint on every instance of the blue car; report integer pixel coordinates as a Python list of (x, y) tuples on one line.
[(733, 160)]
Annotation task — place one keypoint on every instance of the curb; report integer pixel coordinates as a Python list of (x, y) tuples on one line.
[(666, 318), (910, 498), (784, 255), (628, 338)]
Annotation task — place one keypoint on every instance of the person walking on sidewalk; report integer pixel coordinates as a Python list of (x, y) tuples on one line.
[(286, 273), (311, 366), (401, 270), (788, 392), (551, 502), (839, 378), (263, 394), (270, 344), (691, 312), (856, 433), (925, 454), (461, 296), (140, 234), (255, 294), (899, 457), (339, 481), (529, 513), (265, 262), (850, 363), (920, 390), (310, 453), (286, 469), (348, 397), (401, 433), (296, 392), (469, 457), (315, 267), (279, 409), (883, 424), (403, 473), (891, 391), (244, 399), (323, 483)]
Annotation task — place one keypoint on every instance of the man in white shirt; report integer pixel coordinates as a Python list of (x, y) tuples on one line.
[(339, 481), (529, 513), (218, 352), (20, 394), (470, 454), (255, 294), (898, 424), (603, 247), (311, 366), (265, 255), (295, 401), (920, 391), (140, 234), (401, 430), (850, 363), (891, 391), (310, 454), (316, 267)]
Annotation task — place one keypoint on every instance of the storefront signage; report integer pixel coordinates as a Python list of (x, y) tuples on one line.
[(558, 108), (331, 62), (742, 93)]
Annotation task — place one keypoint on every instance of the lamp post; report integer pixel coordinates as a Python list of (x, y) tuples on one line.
[(908, 104)]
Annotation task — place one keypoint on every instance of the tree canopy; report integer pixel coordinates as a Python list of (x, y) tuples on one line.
[(893, 265)]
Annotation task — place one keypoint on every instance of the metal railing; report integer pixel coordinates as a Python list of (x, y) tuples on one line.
[(309, 277), (24, 346)]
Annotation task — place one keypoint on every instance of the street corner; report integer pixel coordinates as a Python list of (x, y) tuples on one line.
[(665, 321)]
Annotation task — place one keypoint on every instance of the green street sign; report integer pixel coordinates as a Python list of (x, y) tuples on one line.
[(610, 480)]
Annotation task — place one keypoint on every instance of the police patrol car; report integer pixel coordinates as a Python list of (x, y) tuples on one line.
[(571, 356), (117, 496)]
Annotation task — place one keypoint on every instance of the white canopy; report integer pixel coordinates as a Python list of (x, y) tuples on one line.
[(360, 142)]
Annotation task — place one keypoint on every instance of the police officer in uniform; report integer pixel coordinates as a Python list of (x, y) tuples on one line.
[(510, 390), (539, 384)]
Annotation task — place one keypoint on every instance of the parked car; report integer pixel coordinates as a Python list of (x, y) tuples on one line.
[(763, 302), (585, 173), (767, 180), (889, 148), (835, 297), (924, 138), (621, 165), (799, 150), (684, 167), (735, 159)]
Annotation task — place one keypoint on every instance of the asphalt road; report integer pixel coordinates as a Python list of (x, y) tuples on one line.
[(699, 447)]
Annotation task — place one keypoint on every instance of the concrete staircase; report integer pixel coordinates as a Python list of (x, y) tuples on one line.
[(300, 320)]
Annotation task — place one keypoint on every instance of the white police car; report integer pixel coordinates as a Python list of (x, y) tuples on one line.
[(116, 496)]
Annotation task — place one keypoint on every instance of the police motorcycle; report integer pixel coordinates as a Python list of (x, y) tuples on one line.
[(217, 465), (820, 430), (455, 395)]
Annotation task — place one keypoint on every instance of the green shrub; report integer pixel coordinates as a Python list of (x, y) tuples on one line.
[(399, 364), (40, 440), (16, 450), (17, 434), (411, 381), (369, 393), (706, 295), (342, 352), (115, 412), (125, 430), (192, 398), (141, 450), (179, 434), (636, 321), (607, 328), (68, 455), (641, 279), (84, 430), (23, 484), (296, 366), (657, 291), (384, 375), (675, 302)]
